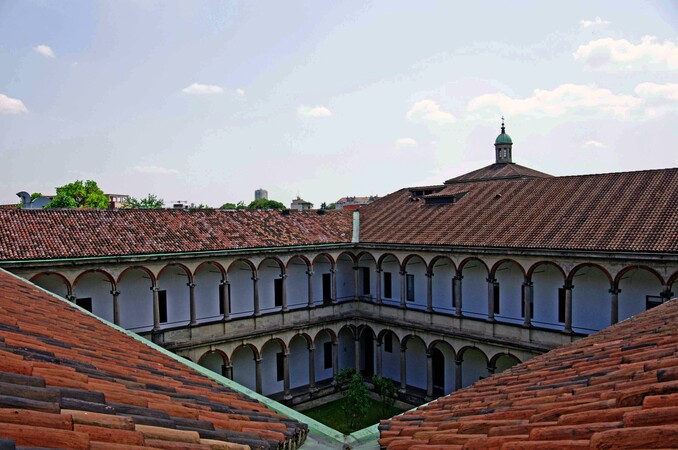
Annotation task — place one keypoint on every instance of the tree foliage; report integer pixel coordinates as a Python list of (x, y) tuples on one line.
[(386, 390), (239, 205), (356, 401), (79, 195), (264, 203), (151, 201), (324, 205)]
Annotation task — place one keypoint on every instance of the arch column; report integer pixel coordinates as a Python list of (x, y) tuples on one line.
[(356, 272), (491, 283), (429, 291), (528, 294), (311, 368), (666, 293), (225, 299), (283, 277), (429, 375), (257, 374), (255, 284), (116, 306), (310, 288), (286, 375), (356, 359), (403, 288), (70, 297), (378, 271), (457, 373), (227, 370), (335, 362), (156, 308), (568, 306), (614, 304), (403, 370), (380, 357), (456, 286), (333, 272), (191, 303)]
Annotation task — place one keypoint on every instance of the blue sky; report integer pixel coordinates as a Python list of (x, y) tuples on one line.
[(208, 101)]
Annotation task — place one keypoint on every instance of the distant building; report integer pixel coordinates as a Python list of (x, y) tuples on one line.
[(115, 201), (300, 204), (353, 203), (261, 193)]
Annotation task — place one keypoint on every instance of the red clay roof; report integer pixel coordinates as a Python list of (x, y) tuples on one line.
[(617, 389), (76, 233), (631, 211), (68, 380), (499, 171)]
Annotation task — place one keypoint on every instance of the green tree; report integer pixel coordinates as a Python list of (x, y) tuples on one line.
[(239, 205), (263, 203), (151, 201), (79, 195), (324, 205), (386, 390)]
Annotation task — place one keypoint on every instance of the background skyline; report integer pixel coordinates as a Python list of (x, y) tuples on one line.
[(206, 102)]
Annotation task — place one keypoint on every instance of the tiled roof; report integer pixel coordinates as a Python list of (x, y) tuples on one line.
[(617, 389), (46, 234), (498, 171), (67, 380), (631, 211)]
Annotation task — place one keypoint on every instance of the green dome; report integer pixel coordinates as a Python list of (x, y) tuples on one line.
[(503, 138)]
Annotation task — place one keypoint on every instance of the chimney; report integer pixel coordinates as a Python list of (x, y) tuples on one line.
[(356, 227)]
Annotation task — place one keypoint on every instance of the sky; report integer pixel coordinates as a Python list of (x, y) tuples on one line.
[(206, 101)]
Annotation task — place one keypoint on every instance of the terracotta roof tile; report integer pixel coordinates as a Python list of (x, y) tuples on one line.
[(622, 393), (119, 391)]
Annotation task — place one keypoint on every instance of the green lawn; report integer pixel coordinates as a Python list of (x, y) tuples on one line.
[(331, 415)]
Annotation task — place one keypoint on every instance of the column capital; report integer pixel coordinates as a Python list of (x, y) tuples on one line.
[(115, 292), (356, 267), (614, 291), (458, 276), (309, 272), (223, 282), (155, 288), (190, 284), (403, 272), (254, 278), (429, 274), (379, 270), (491, 280), (528, 283), (568, 285)]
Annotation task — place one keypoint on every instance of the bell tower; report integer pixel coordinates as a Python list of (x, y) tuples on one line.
[(503, 146)]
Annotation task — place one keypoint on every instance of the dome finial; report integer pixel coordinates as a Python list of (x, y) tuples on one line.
[(503, 128)]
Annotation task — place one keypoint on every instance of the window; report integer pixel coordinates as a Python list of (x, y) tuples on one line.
[(327, 287), (278, 291), (388, 343), (280, 366), (561, 305), (410, 288), (496, 298), (652, 301), (365, 275), (85, 303), (327, 355), (162, 306), (388, 286)]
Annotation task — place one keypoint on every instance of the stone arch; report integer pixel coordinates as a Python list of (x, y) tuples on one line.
[(416, 273), (323, 267), (296, 283), (241, 274), (443, 271), (367, 276), (548, 279), (325, 341), (443, 366), (299, 362), (244, 362), (534, 266), (367, 344), (474, 365), (135, 301), (214, 360), (186, 270), (389, 345), (271, 272), (474, 287), (208, 278), (591, 301), (273, 353), (509, 276), (503, 261), (345, 278), (93, 295), (638, 289), (389, 264), (174, 280), (346, 341), (148, 272), (502, 361), (56, 284), (673, 290), (414, 349)]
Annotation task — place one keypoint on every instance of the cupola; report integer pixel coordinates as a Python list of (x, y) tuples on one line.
[(502, 146)]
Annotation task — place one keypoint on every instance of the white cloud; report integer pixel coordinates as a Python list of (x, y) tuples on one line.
[(594, 144), (405, 142), (658, 98), (9, 105), (562, 100), (590, 23), (155, 170), (429, 111), (44, 50), (240, 92), (315, 111), (622, 54), (203, 89)]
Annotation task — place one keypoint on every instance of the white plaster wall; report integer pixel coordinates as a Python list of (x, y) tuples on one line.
[(175, 282), (371, 265), (546, 280), (135, 300), (319, 357), (590, 300), (415, 358), (244, 368), (473, 367), (321, 266), (390, 363), (298, 362), (207, 281), (344, 278), (635, 285), (297, 285), (510, 279), (269, 385), (212, 361), (52, 283), (474, 290), (442, 286), (242, 290), (346, 349), (417, 267), (98, 287), (268, 272), (391, 265)]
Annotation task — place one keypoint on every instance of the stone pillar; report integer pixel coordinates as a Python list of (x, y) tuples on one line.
[(457, 373), (403, 370), (70, 297), (287, 395), (429, 375), (156, 308), (311, 368), (491, 369), (225, 298), (116, 306), (666, 293), (356, 359), (490, 298), (191, 303), (334, 285), (335, 362), (283, 276), (403, 289), (528, 293), (257, 374), (380, 360), (309, 272), (379, 286), (568, 306), (227, 370), (614, 304), (456, 283), (429, 292), (255, 282), (356, 273)]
